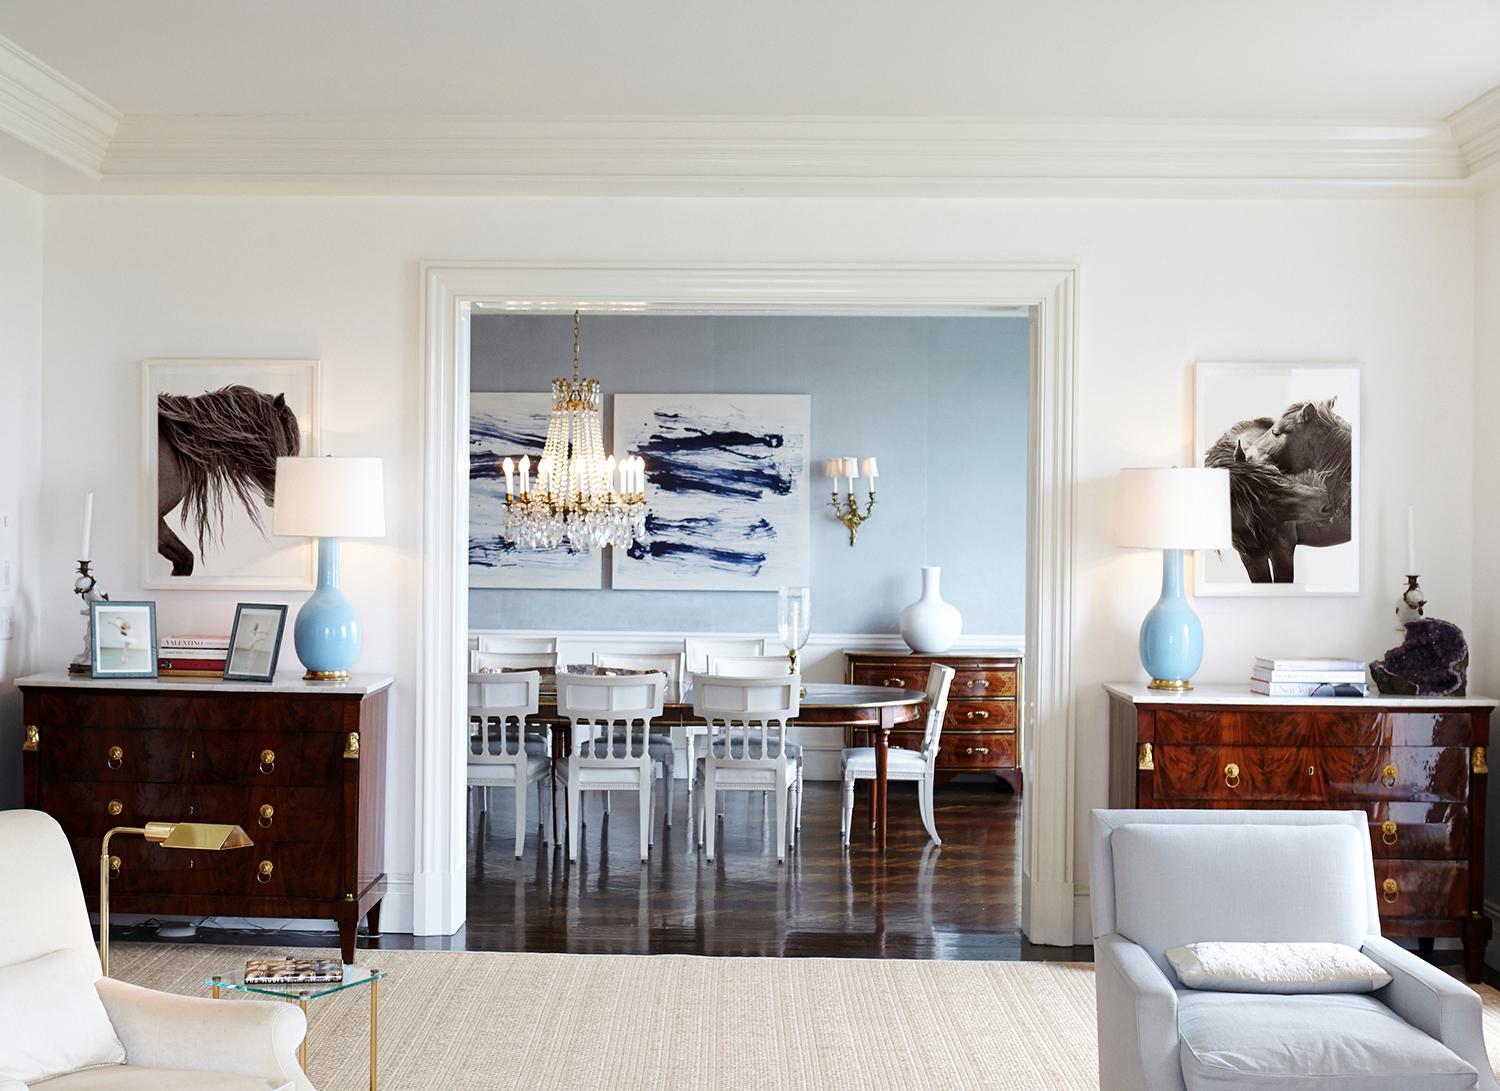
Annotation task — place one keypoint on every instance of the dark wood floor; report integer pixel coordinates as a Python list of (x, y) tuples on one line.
[(918, 900)]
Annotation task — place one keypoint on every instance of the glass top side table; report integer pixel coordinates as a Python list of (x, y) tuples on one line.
[(302, 993)]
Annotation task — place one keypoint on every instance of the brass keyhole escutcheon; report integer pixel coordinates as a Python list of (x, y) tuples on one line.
[(115, 807), (1388, 833), (267, 814), (263, 873), (115, 758), (1389, 890), (1232, 775), (268, 761), (1389, 774)]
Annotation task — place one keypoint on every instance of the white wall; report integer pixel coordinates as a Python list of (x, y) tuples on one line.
[(1485, 652), (1385, 283), (20, 485)]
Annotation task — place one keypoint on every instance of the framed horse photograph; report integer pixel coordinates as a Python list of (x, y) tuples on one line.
[(1289, 436), (211, 432)]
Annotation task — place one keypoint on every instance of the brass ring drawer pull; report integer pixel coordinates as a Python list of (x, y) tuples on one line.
[(977, 714), (114, 865), (978, 683), (115, 758), (894, 683), (267, 814), (1388, 775), (1232, 775), (1388, 833), (976, 750), (268, 761), (115, 807), (1389, 890), (263, 873)]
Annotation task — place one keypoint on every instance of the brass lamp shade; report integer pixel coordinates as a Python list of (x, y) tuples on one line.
[(202, 836)]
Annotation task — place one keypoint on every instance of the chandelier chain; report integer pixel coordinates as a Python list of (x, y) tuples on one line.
[(575, 346)]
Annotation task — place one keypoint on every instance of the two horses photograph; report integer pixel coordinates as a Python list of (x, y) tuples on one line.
[(214, 431), (1286, 437)]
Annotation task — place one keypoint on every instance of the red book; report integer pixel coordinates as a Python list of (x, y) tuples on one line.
[(195, 664)]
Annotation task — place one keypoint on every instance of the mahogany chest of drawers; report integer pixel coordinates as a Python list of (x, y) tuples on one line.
[(300, 766), (982, 731), (1417, 767)]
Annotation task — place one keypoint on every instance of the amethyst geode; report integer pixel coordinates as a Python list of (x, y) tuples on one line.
[(1433, 661)]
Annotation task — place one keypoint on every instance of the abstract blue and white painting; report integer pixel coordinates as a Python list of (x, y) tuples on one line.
[(726, 490), (514, 425)]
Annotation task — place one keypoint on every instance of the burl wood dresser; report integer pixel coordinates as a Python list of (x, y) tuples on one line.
[(299, 765), (982, 731), (1416, 766)]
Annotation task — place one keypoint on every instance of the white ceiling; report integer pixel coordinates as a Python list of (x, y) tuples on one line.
[(1272, 59)]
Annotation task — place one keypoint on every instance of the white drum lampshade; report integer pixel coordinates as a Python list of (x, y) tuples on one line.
[(1172, 509), (328, 499)]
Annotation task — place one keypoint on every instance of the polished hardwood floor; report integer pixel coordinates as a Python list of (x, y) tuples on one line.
[(917, 900)]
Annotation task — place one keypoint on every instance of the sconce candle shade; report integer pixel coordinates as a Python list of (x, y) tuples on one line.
[(1172, 509), (328, 499)]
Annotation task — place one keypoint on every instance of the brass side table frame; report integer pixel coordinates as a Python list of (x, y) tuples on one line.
[(302, 993)]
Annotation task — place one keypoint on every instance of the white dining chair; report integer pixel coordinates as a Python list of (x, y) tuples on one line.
[(750, 666), (696, 650), (500, 753), (921, 766), (492, 642), (668, 663), (749, 751), (611, 748), (513, 661)]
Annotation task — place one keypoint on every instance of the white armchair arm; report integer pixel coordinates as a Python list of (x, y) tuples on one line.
[(1137, 1020), (163, 1030), (1434, 1002)]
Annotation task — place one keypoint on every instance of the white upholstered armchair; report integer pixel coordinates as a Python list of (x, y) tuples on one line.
[(139, 1040), (1166, 878)]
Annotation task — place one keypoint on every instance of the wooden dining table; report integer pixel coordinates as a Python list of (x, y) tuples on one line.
[(872, 711)]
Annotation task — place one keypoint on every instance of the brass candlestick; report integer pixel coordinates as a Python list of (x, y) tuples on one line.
[(849, 513), (85, 588), (1409, 607)]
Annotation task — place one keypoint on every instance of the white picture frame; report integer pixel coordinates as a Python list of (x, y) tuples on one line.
[(729, 516), (236, 551), (514, 424), (122, 639), (1295, 470)]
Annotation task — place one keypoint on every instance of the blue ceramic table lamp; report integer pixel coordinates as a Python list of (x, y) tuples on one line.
[(328, 499), (1172, 510)]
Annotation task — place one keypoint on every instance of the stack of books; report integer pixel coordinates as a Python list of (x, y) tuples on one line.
[(1309, 677), (287, 971), (192, 656)]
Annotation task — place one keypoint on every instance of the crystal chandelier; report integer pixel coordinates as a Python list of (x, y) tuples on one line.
[(578, 496)]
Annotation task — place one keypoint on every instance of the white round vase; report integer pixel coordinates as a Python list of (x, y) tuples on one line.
[(930, 625)]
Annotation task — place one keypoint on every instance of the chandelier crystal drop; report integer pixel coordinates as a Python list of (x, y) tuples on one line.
[(578, 496)]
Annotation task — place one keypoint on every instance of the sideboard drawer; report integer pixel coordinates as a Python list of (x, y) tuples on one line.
[(1421, 888), (1419, 831), (120, 754), (1236, 772), (1413, 773), (983, 682), (271, 758), (275, 814), (296, 870), (891, 675), (980, 715), (977, 750), (89, 807)]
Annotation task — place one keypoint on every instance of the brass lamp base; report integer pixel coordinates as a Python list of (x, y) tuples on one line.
[(326, 676), (1173, 685)]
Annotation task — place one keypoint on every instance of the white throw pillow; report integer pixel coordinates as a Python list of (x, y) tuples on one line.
[(51, 1019), (1277, 968)]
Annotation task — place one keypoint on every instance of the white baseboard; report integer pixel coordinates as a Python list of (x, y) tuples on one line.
[(1043, 905)]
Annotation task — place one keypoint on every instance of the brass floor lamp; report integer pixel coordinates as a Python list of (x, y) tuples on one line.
[(203, 836)]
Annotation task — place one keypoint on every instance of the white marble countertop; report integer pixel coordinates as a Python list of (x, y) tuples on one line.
[(1211, 693), (362, 684)]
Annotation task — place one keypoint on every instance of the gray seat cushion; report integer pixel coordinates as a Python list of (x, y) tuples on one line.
[(1345, 1042)]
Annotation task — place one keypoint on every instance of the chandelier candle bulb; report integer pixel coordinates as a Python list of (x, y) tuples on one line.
[(509, 467)]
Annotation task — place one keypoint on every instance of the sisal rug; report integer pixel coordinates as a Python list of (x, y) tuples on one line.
[(478, 1021)]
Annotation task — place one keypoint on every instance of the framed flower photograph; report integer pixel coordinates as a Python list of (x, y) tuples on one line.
[(255, 642), (122, 639), (1289, 436)]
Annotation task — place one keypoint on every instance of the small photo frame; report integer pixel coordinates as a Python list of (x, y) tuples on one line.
[(122, 639), (255, 642)]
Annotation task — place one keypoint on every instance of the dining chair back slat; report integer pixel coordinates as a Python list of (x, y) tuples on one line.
[(750, 666), (698, 650)]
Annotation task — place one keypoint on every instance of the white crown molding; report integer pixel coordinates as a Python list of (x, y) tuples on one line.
[(1476, 130), (772, 156), (44, 109)]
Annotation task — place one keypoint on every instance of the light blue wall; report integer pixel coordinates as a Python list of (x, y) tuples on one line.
[(940, 401)]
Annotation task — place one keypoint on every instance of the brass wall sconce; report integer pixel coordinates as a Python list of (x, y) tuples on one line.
[(848, 512), (202, 836)]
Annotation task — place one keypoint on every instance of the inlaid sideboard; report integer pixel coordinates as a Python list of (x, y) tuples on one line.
[(299, 765), (1417, 766), (982, 730)]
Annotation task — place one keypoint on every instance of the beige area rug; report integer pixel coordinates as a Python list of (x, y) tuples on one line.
[(457, 1021)]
